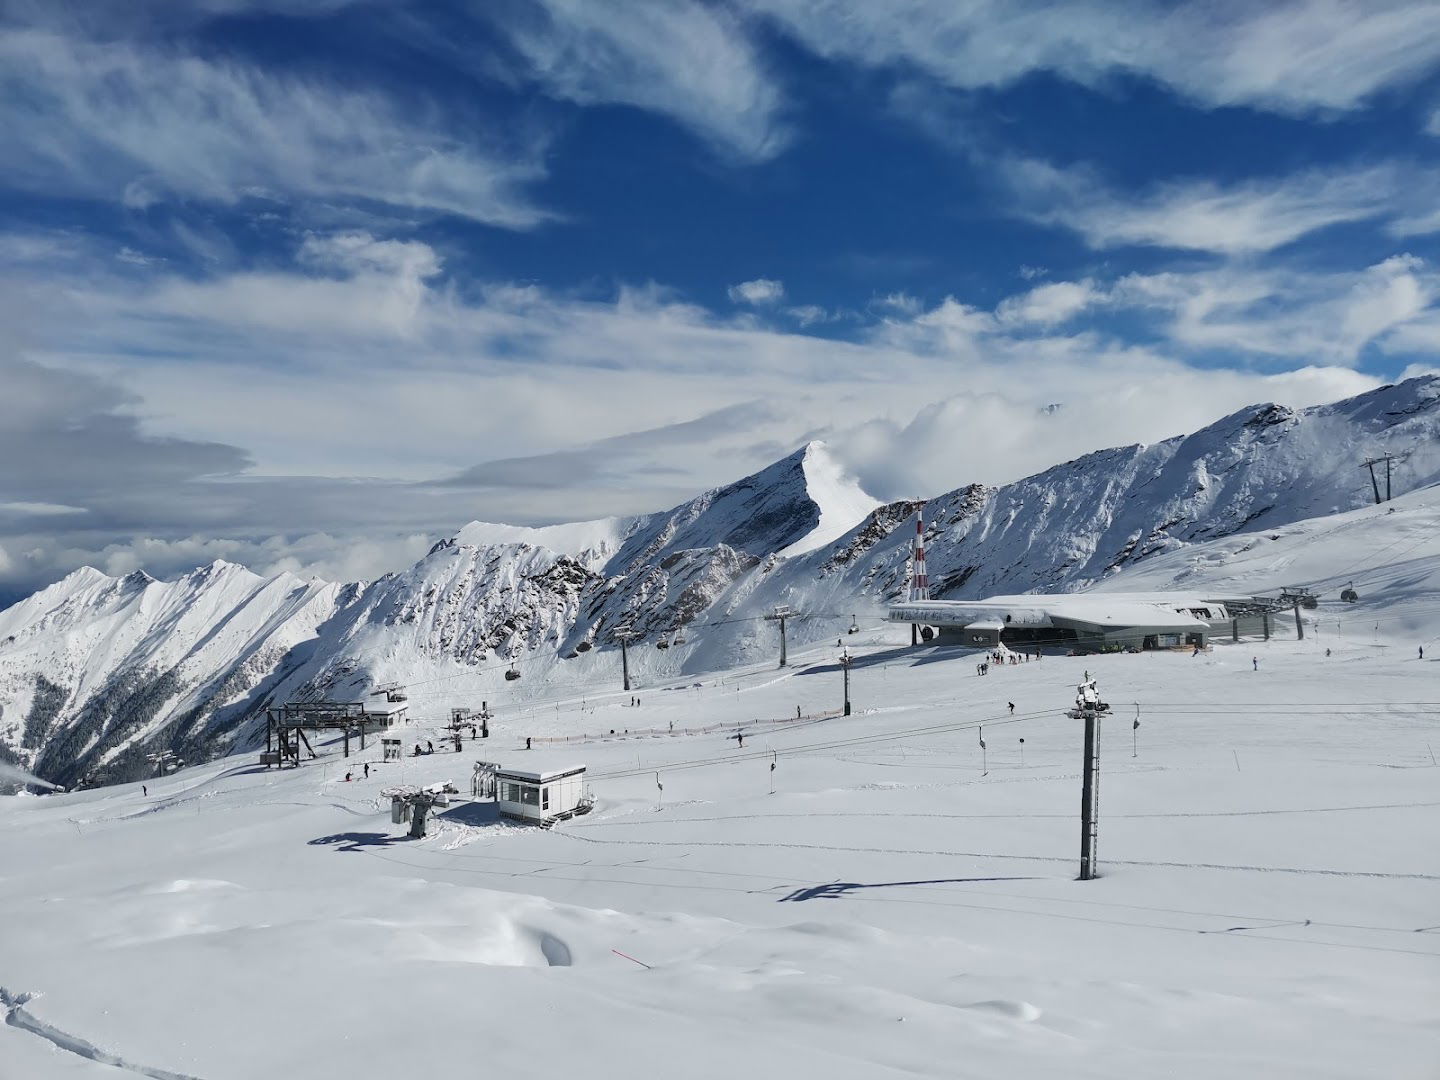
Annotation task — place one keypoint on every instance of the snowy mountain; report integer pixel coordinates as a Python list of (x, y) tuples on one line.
[(95, 672), (98, 670)]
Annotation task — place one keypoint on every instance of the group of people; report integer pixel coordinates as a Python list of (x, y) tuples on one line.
[(351, 776), (1002, 657)]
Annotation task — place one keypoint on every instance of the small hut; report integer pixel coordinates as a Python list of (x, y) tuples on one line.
[(541, 797)]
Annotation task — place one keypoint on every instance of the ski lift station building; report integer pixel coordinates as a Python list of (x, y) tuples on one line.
[(1085, 621), (540, 796)]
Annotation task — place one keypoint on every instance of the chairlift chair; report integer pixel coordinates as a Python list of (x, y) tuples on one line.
[(662, 644), (584, 646), (511, 674), (1348, 594)]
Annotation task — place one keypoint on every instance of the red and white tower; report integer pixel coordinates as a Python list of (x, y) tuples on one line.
[(920, 583)]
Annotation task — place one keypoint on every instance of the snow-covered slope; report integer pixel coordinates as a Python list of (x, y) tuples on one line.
[(897, 898), (1389, 555), (93, 669), (101, 669)]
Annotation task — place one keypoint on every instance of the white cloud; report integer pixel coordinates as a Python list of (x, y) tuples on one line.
[(137, 124), (1329, 317), (336, 398), (1290, 56), (687, 60), (1202, 215), (1143, 398), (808, 314), (900, 302), (39, 509), (1048, 305), (372, 287), (758, 292)]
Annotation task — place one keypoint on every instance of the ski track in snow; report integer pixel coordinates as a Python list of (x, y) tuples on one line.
[(17, 1016)]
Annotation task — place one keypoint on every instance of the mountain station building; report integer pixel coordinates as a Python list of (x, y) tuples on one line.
[(1087, 622)]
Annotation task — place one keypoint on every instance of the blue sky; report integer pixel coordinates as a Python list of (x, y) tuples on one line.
[(305, 285)]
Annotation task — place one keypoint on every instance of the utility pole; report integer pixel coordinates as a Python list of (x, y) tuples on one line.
[(780, 615), (623, 634), (845, 667), (1089, 707), (1370, 463), (1299, 626)]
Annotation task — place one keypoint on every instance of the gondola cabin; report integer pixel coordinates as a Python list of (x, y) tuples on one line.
[(541, 797)]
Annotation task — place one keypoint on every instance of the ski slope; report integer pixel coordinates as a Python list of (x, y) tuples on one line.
[(903, 904)]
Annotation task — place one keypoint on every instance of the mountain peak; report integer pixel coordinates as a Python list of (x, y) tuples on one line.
[(842, 502)]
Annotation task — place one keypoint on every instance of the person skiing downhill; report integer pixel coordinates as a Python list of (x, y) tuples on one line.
[(1254, 663)]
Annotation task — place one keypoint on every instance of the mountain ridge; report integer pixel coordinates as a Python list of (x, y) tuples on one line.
[(96, 671)]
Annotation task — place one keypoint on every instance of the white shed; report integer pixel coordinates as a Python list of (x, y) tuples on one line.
[(541, 796)]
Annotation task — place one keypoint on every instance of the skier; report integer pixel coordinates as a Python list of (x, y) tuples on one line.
[(429, 747), (1422, 652), (527, 742), (144, 791), (1012, 707), (348, 777), (1327, 652), (367, 770), (1254, 663)]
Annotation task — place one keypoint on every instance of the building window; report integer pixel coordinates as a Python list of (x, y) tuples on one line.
[(544, 798), (529, 796)]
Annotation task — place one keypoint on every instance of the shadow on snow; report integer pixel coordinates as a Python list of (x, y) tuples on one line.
[(838, 890)]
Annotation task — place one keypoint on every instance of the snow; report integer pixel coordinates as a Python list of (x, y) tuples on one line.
[(892, 909), (591, 542), (102, 670), (842, 502)]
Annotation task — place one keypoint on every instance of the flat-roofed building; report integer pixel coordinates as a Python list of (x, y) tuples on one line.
[(540, 796), (1084, 621)]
